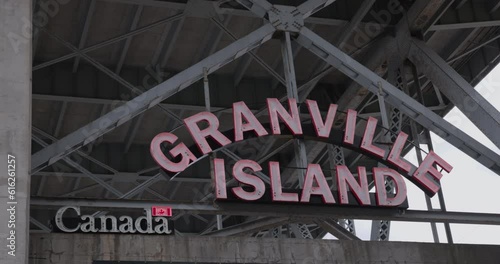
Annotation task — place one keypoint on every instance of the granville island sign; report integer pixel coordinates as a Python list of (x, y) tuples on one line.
[(204, 129)]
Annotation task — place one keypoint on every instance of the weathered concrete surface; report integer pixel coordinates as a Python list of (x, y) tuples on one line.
[(15, 126), (83, 248)]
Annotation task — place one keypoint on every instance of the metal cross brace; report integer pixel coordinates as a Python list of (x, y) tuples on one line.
[(400, 100), (140, 186), (111, 41), (147, 100)]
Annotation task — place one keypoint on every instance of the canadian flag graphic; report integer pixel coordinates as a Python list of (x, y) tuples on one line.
[(161, 211)]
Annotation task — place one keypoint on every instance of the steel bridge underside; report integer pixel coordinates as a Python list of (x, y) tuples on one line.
[(109, 75)]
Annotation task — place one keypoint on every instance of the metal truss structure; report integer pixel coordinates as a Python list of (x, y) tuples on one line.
[(96, 108)]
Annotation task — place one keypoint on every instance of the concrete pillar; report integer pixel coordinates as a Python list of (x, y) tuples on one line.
[(15, 129)]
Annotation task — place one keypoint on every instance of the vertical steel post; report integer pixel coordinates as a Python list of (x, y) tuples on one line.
[(289, 68), (291, 89), (418, 151), (427, 134), (300, 230), (336, 157), (392, 122), (206, 89), (381, 228), (442, 203)]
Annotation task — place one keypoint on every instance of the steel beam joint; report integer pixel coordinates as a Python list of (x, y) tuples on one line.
[(286, 18)]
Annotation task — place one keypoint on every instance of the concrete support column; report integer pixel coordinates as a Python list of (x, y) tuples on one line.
[(15, 129)]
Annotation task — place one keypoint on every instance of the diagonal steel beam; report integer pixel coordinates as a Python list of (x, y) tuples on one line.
[(126, 45), (261, 8), (81, 153), (213, 224), (440, 11), (477, 24), (133, 89), (245, 61), (81, 169), (161, 43), (93, 186), (109, 41), (493, 5), (62, 113), (354, 23), (121, 81), (417, 18), (355, 93), (251, 53), (132, 132), (178, 6), (212, 38), (257, 7), (85, 32), (400, 100), (77, 190), (472, 50), (57, 129), (310, 7), (420, 15), (136, 190), (335, 229), (451, 50), (242, 68), (340, 43), (174, 27), (457, 90), (458, 4), (142, 186), (40, 225), (101, 67), (127, 85), (172, 36), (145, 101)]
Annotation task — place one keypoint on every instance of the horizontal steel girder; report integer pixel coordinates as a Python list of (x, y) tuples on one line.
[(119, 177), (262, 7), (251, 227), (278, 210), (398, 99), (152, 97), (457, 89), (171, 4)]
